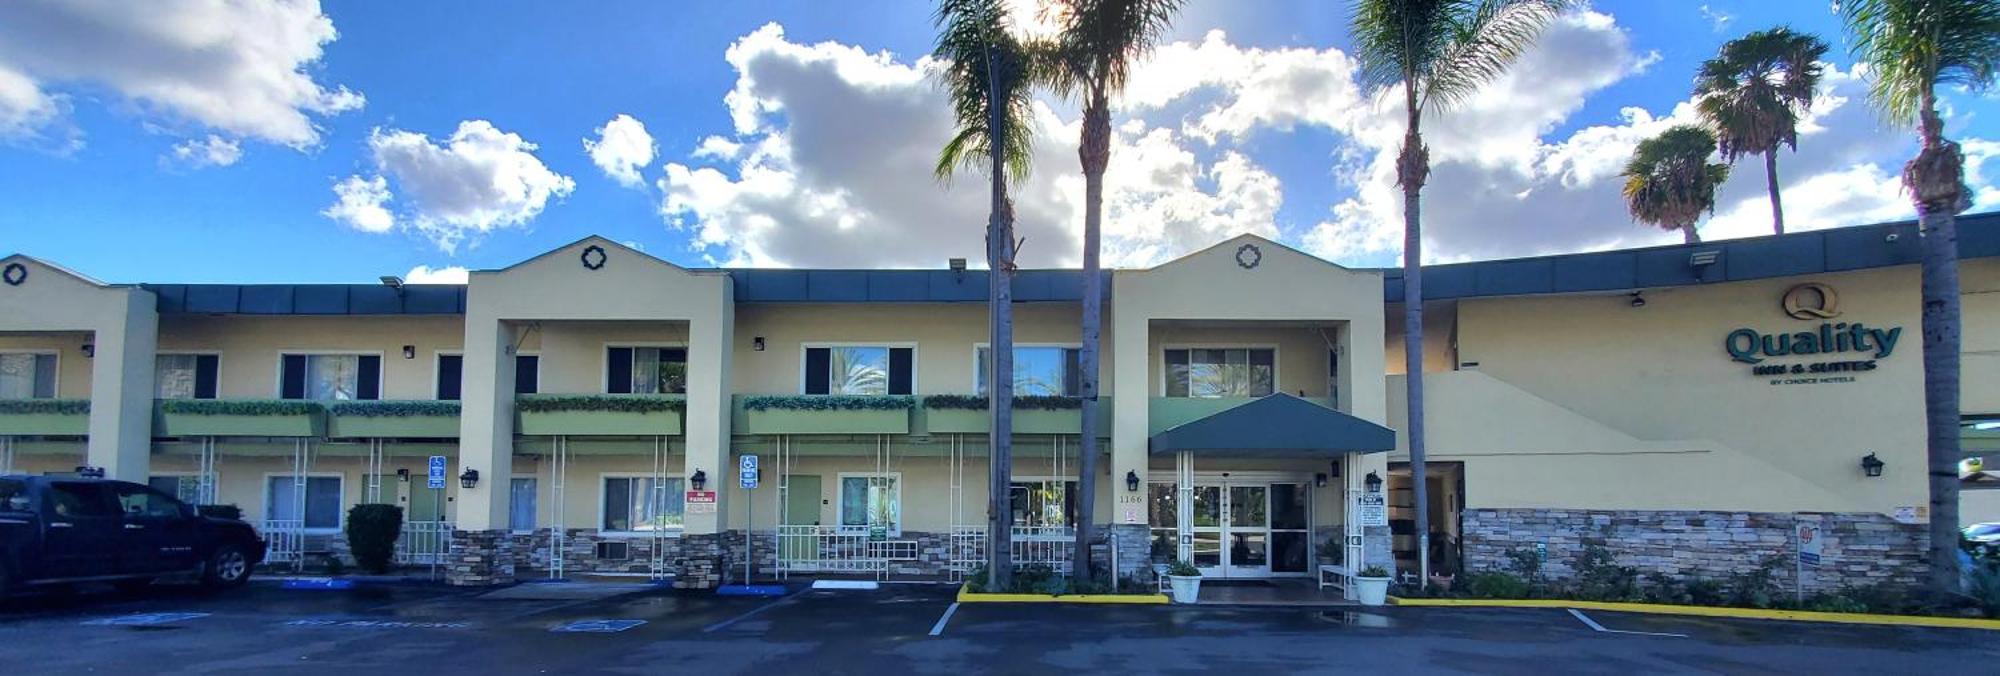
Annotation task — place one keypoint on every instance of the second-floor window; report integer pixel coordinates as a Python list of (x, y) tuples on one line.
[(1038, 371), (1221, 372), (451, 375), (27, 375), (859, 369), (185, 376), (330, 377), (646, 370)]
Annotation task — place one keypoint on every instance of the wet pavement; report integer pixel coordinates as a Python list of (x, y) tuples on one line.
[(264, 629)]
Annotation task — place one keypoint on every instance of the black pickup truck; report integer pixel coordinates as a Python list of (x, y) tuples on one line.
[(61, 530)]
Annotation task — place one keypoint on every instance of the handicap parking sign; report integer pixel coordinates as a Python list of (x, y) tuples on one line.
[(596, 626), (437, 472), (748, 475)]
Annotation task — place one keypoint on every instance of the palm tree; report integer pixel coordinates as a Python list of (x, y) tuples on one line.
[(988, 75), (1911, 48), (1669, 181), (1440, 52), (1099, 40), (1752, 94)]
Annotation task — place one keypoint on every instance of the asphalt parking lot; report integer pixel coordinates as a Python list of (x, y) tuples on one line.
[(264, 629)]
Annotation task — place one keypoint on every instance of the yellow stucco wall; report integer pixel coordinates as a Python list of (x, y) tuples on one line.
[(944, 335), (72, 368), (249, 348)]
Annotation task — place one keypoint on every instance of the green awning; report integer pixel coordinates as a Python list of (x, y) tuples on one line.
[(1276, 426)]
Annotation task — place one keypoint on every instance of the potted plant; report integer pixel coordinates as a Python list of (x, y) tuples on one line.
[(1163, 553), (1444, 560), (1185, 580), (1372, 585)]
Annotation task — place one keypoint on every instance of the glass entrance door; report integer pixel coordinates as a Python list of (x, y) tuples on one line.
[(1248, 531)]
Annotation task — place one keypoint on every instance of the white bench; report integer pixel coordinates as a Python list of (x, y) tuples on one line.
[(1340, 577)]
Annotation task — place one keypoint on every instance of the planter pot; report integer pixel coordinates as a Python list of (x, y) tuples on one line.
[(1373, 591), (1442, 582), (1188, 587)]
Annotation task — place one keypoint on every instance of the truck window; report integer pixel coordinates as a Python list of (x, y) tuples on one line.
[(13, 496), (135, 500), (80, 499)]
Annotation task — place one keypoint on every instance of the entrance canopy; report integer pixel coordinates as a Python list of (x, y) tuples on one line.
[(1276, 426)]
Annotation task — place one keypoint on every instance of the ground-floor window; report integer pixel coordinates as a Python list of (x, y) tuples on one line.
[(871, 501), (1043, 503), (521, 505), (322, 501), (183, 487), (642, 504)]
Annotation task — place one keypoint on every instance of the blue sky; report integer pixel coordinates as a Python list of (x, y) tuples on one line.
[(1249, 121)]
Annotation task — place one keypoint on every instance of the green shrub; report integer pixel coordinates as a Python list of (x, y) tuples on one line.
[(45, 406), (245, 407), (616, 403), (1031, 402), (1757, 587), (1525, 562), (1183, 569), (394, 408), (1600, 578), (371, 534), (1374, 571), (827, 402), (220, 511), (1495, 585), (1835, 603)]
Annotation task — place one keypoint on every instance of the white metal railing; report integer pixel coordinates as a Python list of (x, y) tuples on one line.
[(1048, 546), (285, 540), (423, 542), (834, 549)]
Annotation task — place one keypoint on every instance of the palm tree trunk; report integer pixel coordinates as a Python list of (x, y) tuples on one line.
[(1000, 382), (1688, 234), (1771, 181), (1935, 179), (1413, 167), (1095, 153)]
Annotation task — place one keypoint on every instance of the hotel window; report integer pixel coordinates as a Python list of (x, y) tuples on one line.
[(1038, 371), (183, 488), (331, 377), (185, 376), (634, 504), (521, 505), (1045, 503), (868, 501), (27, 375), (1227, 372), (645, 370), (322, 501), (859, 369), (451, 375)]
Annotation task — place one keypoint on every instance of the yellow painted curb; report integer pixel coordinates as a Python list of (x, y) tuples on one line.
[(965, 596), (1711, 611)]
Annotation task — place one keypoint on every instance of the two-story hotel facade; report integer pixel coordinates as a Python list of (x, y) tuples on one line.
[(1687, 408)]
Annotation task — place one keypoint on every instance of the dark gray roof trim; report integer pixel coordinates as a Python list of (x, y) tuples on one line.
[(1804, 253), (1276, 426)]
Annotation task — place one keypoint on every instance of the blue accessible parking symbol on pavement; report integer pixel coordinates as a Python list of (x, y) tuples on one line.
[(143, 619), (596, 626)]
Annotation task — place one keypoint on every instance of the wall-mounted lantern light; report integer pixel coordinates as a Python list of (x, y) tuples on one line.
[(1336, 469), (1319, 480), (409, 352), (1871, 465), (469, 478), (89, 350), (1374, 482), (1132, 481), (699, 480), (403, 475), (757, 343), (1638, 299)]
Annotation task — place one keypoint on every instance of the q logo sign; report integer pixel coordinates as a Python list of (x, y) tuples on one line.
[(1811, 301)]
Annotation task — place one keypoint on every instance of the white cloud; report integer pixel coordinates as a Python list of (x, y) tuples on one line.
[(359, 204), (478, 180), (622, 149), (1252, 88), (830, 165), (424, 274), (213, 151), (239, 68)]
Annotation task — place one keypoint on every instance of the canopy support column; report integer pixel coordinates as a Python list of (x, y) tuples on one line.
[(1184, 505)]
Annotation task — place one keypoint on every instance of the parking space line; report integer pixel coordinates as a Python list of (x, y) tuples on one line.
[(938, 628), (719, 626), (1598, 627)]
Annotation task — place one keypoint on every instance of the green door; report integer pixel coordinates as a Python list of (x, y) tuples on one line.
[(425, 504), (802, 508)]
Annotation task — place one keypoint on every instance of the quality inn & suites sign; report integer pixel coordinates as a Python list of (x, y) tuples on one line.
[(1827, 353)]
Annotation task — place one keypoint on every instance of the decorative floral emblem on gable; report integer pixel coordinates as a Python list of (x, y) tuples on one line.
[(15, 275), (594, 257), (1248, 256)]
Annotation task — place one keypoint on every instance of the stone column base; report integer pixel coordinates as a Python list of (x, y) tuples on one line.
[(480, 558)]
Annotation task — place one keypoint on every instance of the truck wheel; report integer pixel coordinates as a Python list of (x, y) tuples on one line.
[(228, 567)]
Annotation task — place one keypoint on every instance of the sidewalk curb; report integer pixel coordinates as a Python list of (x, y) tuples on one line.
[(965, 596), (1710, 611)]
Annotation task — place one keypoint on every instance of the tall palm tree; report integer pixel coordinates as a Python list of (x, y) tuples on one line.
[(1911, 48), (1099, 40), (988, 75), (1669, 181), (1440, 52), (1752, 94)]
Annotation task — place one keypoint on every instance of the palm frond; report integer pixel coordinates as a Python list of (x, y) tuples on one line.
[(1101, 38), (1482, 44), (973, 41), (1669, 181), (1754, 90), (1913, 46)]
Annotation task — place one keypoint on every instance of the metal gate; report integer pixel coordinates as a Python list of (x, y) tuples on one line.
[(424, 542), (286, 538)]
